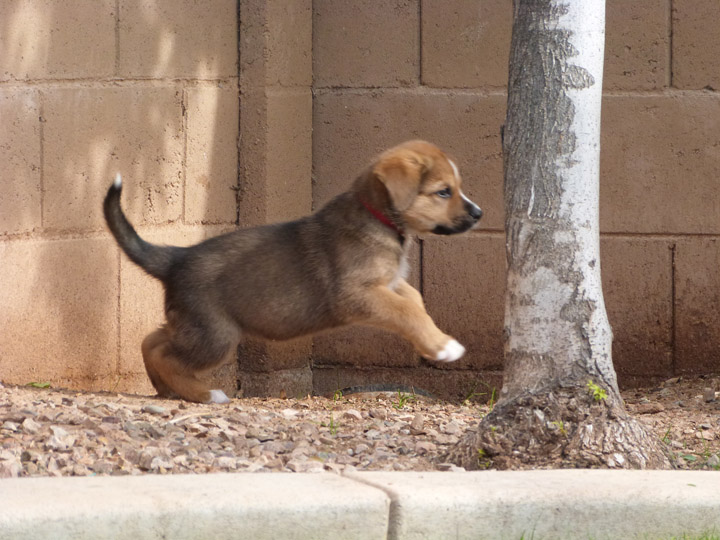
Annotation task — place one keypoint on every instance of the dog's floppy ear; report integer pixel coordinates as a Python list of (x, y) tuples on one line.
[(401, 173)]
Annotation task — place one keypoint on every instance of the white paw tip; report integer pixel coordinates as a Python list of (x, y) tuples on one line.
[(451, 352), (118, 181), (218, 396)]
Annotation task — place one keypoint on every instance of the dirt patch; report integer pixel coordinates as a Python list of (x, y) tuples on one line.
[(47, 432)]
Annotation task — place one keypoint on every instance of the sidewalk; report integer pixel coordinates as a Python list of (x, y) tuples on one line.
[(575, 504)]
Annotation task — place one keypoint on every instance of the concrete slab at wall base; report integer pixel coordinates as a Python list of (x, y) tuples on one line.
[(573, 504)]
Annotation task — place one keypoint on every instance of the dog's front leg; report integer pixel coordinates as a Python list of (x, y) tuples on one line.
[(402, 312), (404, 289)]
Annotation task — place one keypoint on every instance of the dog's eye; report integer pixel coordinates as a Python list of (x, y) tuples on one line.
[(444, 193)]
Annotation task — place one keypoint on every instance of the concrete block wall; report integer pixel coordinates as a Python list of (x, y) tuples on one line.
[(150, 88), (437, 69), (88, 88)]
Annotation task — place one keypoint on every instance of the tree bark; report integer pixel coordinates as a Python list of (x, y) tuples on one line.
[(560, 404)]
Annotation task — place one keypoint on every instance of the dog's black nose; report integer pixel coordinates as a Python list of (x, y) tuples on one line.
[(474, 211)]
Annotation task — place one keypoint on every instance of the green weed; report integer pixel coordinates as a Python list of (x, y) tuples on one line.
[(598, 393)]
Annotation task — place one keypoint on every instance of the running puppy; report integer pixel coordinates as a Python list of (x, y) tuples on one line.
[(345, 264)]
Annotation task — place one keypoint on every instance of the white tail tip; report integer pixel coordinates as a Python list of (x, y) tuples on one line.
[(118, 181)]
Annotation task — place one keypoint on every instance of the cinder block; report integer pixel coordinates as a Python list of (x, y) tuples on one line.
[(464, 290), (275, 43), (466, 43), (697, 290), (276, 156), (451, 385), (20, 202), (695, 43), (636, 45), (256, 355), (57, 39), (141, 296), (363, 347), (349, 346), (58, 310), (659, 164), (290, 383), (178, 38), (90, 134), (351, 128), (637, 286), (363, 43), (211, 176)]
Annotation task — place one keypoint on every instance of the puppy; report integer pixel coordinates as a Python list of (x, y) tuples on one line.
[(345, 264)]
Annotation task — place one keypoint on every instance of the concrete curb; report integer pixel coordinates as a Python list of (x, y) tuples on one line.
[(365, 505)]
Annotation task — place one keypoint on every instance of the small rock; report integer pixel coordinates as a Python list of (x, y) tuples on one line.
[(103, 467), (674, 380), (289, 414), (418, 423), (225, 462), (713, 461), (380, 414), (80, 470), (30, 455), (446, 439), (649, 408), (10, 426), (305, 466), (31, 426), (425, 447), (60, 442), (706, 435), (10, 469), (159, 462), (708, 395), (360, 448), (352, 414), (451, 428), (450, 467), (154, 409), (254, 432)]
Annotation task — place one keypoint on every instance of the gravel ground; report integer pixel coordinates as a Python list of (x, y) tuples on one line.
[(48, 432)]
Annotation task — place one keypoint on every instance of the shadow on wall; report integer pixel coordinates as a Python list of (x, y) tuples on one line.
[(150, 92)]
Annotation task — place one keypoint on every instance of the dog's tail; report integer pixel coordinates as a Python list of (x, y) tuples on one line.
[(155, 260)]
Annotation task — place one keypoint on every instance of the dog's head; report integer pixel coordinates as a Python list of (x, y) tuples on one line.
[(423, 186)]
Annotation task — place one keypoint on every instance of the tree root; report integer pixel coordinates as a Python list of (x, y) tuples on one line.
[(560, 428)]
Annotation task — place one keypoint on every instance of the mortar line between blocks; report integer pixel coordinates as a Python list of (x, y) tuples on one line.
[(669, 76), (118, 314), (673, 309), (183, 173), (41, 149), (117, 38), (420, 43)]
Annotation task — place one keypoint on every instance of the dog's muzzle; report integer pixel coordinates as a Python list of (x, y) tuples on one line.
[(466, 222)]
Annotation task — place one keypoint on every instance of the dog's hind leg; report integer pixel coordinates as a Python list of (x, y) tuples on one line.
[(152, 347), (170, 375)]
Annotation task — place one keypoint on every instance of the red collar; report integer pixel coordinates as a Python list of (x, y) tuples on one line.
[(382, 218)]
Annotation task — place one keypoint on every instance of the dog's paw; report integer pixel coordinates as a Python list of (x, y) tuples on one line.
[(218, 396), (451, 352)]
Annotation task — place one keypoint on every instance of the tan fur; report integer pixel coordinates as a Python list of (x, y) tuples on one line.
[(339, 266)]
